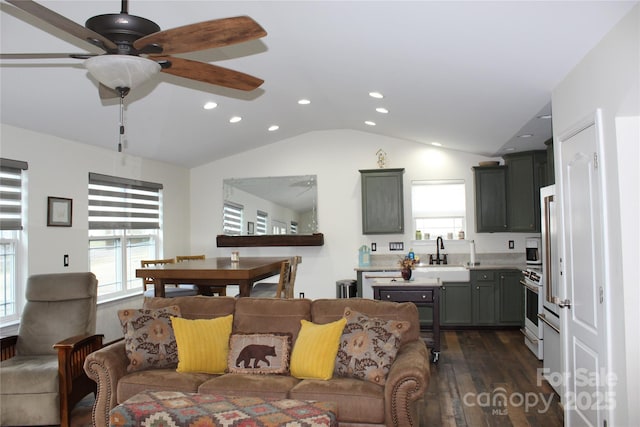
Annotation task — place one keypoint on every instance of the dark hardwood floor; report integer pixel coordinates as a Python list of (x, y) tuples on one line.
[(488, 378)]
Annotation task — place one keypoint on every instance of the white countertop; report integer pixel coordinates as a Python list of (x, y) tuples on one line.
[(412, 282), (474, 267)]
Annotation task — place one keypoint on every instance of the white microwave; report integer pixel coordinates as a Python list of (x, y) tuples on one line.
[(533, 249)]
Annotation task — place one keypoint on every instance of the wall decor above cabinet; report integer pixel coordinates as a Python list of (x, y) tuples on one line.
[(382, 201)]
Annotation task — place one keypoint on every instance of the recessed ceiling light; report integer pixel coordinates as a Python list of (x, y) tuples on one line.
[(436, 144), (235, 119), (382, 110), (545, 116), (525, 135), (273, 128), (210, 105), (304, 102), (510, 149), (370, 123), (377, 95)]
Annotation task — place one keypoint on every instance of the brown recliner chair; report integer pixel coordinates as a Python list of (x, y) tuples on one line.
[(42, 372)]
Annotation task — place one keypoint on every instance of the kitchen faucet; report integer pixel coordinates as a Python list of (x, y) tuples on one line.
[(439, 245)]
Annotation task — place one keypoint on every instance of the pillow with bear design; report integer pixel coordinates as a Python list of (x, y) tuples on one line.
[(259, 353)]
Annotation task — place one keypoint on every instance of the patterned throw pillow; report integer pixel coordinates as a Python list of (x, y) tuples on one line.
[(259, 353), (148, 338), (368, 346)]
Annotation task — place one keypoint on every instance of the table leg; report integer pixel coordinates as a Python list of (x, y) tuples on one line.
[(158, 288), (245, 288), (436, 324)]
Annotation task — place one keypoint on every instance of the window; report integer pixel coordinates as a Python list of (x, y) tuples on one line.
[(232, 219), (124, 228), (278, 227), (261, 222), (11, 215), (438, 207)]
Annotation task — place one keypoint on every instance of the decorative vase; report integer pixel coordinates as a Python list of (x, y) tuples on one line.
[(406, 273)]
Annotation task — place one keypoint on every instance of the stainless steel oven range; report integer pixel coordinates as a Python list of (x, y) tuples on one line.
[(532, 281)]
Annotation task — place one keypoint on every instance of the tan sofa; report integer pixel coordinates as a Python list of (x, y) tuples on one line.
[(360, 402)]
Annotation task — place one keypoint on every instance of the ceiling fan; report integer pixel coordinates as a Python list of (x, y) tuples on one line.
[(135, 48)]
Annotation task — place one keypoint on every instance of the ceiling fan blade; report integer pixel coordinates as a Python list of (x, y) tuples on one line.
[(208, 73), (203, 35), (46, 55), (63, 23)]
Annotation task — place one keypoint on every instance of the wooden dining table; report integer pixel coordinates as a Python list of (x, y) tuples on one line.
[(212, 272)]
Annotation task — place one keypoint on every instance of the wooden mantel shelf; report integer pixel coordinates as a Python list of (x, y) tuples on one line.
[(316, 239)]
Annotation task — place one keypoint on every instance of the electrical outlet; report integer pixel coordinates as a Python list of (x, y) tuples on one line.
[(396, 246), (301, 294), (511, 244), (65, 260), (374, 247)]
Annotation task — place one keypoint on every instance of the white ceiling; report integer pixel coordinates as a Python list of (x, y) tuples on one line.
[(470, 75)]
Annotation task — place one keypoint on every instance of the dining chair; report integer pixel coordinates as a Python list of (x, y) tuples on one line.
[(42, 370), (284, 287), (170, 291), (220, 290)]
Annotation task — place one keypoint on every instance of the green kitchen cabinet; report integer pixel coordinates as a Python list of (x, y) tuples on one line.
[(491, 198), (455, 304), (382, 201), (526, 173), (485, 297), (507, 198), (551, 177), (511, 297)]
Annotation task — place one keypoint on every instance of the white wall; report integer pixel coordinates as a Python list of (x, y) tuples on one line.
[(335, 157), (608, 78), (60, 168)]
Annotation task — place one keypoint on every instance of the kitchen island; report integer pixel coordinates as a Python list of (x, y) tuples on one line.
[(423, 293)]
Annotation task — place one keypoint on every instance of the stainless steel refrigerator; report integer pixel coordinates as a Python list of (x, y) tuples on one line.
[(550, 312)]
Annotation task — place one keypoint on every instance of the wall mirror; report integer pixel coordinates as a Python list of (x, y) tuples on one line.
[(284, 206)]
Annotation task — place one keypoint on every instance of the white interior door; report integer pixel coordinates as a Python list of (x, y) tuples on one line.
[(584, 329)]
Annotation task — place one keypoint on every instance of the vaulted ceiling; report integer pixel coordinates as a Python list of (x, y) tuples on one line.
[(472, 76)]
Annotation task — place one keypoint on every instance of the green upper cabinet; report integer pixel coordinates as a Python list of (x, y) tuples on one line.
[(382, 201), (491, 198), (526, 173), (508, 197), (551, 177)]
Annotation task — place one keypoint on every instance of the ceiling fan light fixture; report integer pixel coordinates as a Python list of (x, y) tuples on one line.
[(116, 71)]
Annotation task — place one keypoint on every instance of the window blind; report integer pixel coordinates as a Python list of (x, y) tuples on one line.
[(232, 219), (261, 222), (122, 203), (11, 193)]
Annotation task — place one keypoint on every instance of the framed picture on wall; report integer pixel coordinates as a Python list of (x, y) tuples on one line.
[(59, 211), (250, 228)]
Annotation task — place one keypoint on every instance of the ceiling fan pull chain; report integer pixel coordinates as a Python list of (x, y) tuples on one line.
[(121, 136)]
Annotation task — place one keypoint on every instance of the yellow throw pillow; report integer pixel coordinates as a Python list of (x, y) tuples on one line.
[(314, 352), (203, 344)]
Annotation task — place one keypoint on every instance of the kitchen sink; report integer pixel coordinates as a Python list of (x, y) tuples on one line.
[(446, 273)]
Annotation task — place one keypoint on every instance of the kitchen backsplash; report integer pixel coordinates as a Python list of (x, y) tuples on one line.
[(498, 259)]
